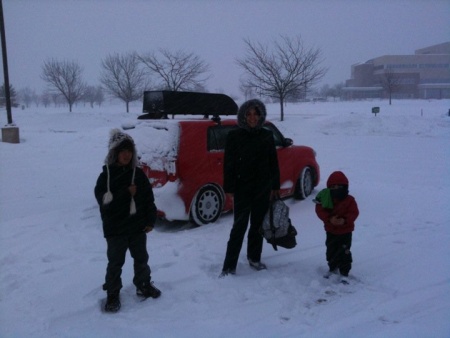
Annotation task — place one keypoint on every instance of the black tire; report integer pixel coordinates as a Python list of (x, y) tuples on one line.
[(304, 185), (207, 205)]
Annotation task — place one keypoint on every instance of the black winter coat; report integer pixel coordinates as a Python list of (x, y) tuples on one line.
[(251, 160), (116, 215)]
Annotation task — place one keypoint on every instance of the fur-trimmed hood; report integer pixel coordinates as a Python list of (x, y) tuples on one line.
[(119, 140), (253, 103)]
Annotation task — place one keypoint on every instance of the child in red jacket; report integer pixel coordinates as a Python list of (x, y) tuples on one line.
[(338, 211)]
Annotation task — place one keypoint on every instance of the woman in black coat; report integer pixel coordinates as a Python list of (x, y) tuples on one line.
[(251, 178)]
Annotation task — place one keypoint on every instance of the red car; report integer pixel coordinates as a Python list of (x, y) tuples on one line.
[(183, 160)]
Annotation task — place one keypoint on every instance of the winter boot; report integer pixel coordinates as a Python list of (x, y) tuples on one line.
[(344, 280), (112, 302), (330, 273), (147, 290), (227, 272), (257, 265)]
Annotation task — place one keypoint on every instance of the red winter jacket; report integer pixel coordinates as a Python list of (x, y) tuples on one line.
[(347, 209)]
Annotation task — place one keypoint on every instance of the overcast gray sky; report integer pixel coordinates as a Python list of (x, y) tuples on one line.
[(86, 31)]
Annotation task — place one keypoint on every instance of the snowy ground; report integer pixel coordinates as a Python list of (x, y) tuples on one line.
[(52, 253)]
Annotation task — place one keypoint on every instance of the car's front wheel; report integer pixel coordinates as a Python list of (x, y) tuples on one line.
[(304, 185), (207, 205)]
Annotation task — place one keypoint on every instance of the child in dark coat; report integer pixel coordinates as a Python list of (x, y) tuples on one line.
[(338, 211), (128, 213)]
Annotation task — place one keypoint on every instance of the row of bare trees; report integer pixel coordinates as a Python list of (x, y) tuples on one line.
[(26, 96), (277, 71), (126, 76)]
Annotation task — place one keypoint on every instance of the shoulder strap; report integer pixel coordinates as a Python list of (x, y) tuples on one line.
[(272, 227), (134, 173)]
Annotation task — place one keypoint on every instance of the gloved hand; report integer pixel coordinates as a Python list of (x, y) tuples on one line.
[(336, 220)]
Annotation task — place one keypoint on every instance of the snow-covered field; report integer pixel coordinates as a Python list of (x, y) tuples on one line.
[(52, 252)]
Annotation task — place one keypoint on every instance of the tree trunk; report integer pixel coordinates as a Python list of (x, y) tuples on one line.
[(281, 109)]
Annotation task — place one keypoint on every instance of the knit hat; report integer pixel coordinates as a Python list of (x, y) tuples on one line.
[(337, 178), (259, 106), (118, 141)]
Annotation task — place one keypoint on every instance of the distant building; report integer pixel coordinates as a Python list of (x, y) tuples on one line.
[(424, 75)]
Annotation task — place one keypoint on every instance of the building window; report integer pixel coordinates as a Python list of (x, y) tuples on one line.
[(434, 65), (402, 66)]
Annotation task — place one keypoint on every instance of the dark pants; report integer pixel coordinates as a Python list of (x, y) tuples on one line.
[(338, 254), (253, 205), (116, 252)]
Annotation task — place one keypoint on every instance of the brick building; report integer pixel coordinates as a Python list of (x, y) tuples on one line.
[(424, 75)]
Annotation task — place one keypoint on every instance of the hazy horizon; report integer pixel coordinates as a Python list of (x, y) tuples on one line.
[(86, 31)]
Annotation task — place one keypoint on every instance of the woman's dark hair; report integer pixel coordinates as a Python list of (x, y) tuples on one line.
[(256, 108)]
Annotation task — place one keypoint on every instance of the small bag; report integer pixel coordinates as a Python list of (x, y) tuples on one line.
[(277, 228)]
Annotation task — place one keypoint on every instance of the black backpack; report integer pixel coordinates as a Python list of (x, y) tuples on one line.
[(277, 228)]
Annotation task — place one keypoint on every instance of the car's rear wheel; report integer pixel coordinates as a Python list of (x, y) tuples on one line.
[(207, 205), (304, 185)]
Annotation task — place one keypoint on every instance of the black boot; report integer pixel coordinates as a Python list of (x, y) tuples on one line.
[(147, 290), (258, 266), (112, 302)]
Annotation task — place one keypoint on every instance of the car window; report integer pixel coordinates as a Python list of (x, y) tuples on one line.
[(277, 137), (217, 136)]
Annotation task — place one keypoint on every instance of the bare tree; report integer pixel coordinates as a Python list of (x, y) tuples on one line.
[(99, 96), (391, 83), (288, 69), (337, 90), (325, 91), (94, 94), (57, 98), (36, 98), (334, 92), (177, 71), (26, 96), (123, 77), (89, 95), (46, 99), (65, 78), (247, 91)]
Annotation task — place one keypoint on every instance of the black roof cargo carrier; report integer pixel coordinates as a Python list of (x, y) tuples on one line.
[(161, 104)]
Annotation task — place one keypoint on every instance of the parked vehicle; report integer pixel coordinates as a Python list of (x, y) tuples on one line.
[(183, 159)]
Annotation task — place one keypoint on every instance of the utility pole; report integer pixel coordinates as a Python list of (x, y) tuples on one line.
[(10, 133)]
